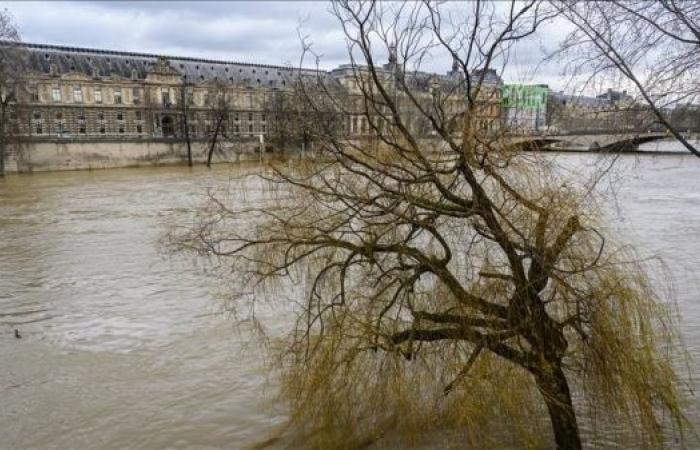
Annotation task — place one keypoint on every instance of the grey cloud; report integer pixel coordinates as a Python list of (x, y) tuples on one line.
[(262, 32)]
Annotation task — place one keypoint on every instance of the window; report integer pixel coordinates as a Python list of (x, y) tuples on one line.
[(236, 117), (139, 128), (249, 97), (117, 96), (136, 96), (236, 128), (121, 128), (56, 94), (264, 128), (98, 94), (37, 115), (102, 129), (250, 117), (205, 98), (59, 116), (250, 128), (34, 93), (77, 94), (101, 116), (120, 116), (190, 98), (165, 97), (138, 115)]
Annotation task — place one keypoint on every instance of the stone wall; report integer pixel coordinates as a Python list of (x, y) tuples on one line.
[(50, 155)]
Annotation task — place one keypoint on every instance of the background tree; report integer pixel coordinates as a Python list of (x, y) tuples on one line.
[(217, 100), (453, 287), (185, 104), (654, 46), (287, 119), (11, 86)]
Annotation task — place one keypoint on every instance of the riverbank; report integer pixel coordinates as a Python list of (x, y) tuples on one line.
[(54, 155)]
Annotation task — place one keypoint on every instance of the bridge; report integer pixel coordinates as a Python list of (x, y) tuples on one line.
[(613, 143)]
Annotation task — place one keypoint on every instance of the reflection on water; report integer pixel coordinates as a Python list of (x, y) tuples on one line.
[(123, 347)]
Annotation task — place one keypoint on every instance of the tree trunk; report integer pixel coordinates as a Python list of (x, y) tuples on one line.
[(2, 140), (213, 140), (555, 392), (186, 130)]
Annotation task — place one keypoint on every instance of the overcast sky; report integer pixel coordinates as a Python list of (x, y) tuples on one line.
[(256, 32)]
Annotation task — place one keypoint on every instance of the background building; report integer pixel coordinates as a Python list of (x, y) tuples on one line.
[(525, 107)]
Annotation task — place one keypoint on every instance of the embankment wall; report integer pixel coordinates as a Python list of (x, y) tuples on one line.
[(52, 155)]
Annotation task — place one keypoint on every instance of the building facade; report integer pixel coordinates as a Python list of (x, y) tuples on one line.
[(525, 108), (86, 93)]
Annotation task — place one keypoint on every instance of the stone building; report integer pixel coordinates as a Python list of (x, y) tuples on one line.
[(86, 93), (75, 94), (609, 112)]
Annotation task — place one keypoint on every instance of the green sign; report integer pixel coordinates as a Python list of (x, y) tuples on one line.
[(525, 96)]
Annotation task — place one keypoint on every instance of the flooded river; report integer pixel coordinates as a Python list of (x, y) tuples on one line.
[(124, 347)]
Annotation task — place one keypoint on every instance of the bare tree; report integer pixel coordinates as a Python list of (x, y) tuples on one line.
[(653, 46), (287, 119), (184, 108), (217, 99), (454, 280), (10, 85)]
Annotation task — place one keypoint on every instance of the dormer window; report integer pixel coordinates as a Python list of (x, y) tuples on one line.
[(134, 74)]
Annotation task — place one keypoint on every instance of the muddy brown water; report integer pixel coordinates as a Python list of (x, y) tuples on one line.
[(123, 346)]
